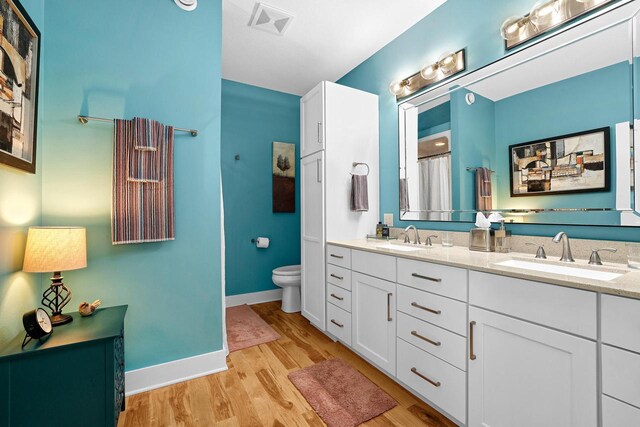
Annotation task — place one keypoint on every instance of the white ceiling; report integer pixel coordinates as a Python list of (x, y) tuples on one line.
[(326, 39)]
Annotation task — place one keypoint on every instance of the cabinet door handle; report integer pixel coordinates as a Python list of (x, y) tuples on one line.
[(416, 334), (421, 307), (337, 297), (337, 324), (336, 256), (318, 170), (429, 380), (336, 277), (319, 132), (472, 356), (420, 276), (389, 318)]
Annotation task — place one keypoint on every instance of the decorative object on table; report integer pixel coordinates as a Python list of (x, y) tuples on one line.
[(574, 163), (341, 395), (20, 59), (143, 194), (545, 16), (85, 309), (37, 325), (284, 177), (56, 249)]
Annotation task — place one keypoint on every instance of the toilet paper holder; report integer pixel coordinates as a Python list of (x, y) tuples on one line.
[(263, 245)]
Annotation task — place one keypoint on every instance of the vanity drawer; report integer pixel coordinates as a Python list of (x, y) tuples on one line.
[(621, 374), (416, 368), (440, 311), (339, 323), (441, 343), (339, 276), (376, 265), (339, 297), (439, 279), (567, 309), (621, 322), (337, 255), (618, 414)]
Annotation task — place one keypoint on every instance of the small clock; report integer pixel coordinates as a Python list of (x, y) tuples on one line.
[(37, 324)]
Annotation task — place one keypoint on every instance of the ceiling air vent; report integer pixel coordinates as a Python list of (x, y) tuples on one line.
[(270, 19)]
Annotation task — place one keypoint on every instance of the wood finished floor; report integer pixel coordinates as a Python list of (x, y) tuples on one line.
[(255, 391)]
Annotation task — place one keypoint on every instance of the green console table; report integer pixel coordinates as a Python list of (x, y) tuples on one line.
[(73, 378)]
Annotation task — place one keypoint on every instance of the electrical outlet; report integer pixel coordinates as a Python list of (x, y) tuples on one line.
[(388, 219)]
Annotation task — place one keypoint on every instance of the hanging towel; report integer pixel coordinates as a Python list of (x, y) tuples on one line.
[(404, 195), (483, 189), (144, 161), (143, 208), (359, 193)]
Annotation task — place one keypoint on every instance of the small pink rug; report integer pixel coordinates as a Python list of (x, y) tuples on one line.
[(246, 329), (341, 396)]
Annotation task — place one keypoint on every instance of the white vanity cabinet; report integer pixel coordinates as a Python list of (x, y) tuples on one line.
[(527, 374)]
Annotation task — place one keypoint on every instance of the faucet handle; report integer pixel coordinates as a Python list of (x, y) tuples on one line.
[(406, 238), (595, 259), (428, 242), (540, 253)]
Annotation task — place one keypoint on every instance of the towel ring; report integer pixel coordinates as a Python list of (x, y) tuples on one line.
[(355, 164)]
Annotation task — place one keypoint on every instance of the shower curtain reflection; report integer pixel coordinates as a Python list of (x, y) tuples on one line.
[(434, 174)]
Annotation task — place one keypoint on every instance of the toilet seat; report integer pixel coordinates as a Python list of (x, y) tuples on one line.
[(287, 270)]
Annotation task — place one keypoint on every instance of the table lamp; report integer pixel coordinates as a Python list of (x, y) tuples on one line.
[(55, 249)]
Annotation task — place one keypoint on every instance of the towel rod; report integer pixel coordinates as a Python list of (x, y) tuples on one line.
[(85, 119), (354, 164), (475, 169)]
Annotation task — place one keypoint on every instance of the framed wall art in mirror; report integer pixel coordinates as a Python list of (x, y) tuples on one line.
[(574, 163), (19, 66)]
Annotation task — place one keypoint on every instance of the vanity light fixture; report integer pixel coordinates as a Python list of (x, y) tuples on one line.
[(446, 66), (544, 16)]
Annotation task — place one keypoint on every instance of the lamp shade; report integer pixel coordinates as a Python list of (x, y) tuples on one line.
[(51, 249)]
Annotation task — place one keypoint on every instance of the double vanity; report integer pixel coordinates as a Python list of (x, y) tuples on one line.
[(489, 339)]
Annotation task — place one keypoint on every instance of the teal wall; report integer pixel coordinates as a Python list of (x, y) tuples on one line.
[(252, 118), (20, 207), (477, 27), (434, 120), (150, 59)]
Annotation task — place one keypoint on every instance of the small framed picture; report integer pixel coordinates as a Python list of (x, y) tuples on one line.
[(574, 163)]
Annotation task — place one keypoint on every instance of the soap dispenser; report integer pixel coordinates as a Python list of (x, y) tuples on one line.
[(503, 239)]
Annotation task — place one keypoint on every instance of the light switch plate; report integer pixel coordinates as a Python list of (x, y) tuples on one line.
[(388, 219)]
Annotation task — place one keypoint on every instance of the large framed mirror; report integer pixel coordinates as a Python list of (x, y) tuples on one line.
[(543, 136)]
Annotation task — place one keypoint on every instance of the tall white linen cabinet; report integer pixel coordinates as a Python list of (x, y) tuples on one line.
[(338, 128)]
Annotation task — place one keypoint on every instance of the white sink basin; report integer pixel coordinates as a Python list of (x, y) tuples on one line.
[(400, 248), (585, 273)]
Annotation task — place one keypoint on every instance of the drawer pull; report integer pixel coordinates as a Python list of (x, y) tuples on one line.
[(337, 256), (421, 307), (389, 318), (417, 335), (472, 355), (336, 277), (420, 276), (429, 380), (337, 324), (337, 297)]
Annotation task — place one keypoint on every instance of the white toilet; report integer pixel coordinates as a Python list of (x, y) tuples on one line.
[(288, 278)]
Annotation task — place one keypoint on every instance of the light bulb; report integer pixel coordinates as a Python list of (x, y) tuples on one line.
[(428, 72), (448, 63), (545, 12), (399, 87), (513, 27)]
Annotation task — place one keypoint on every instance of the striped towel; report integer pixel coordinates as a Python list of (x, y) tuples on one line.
[(483, 190), (359, 193), (143, 208)]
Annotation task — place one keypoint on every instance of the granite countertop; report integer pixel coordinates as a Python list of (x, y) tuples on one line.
[(627, 285)]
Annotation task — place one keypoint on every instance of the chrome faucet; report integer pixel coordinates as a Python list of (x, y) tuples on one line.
[(566, 247), (406, 235)]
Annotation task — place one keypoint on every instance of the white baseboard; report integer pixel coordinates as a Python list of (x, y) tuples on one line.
[(176, 371), (254, 298)]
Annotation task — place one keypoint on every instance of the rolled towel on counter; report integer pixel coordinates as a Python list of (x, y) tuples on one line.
[(359, 193)]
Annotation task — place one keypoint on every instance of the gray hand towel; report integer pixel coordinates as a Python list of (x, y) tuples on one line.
[(359, 193)]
